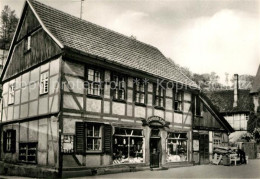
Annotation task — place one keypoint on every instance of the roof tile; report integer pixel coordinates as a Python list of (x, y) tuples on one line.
[(98, 41)]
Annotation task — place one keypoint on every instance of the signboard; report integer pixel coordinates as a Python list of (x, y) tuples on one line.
[(67, 142), (155, 121)]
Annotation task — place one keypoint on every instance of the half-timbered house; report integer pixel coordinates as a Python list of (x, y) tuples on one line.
[(77, 95)]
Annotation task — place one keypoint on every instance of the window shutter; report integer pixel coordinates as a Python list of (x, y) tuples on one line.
[(4, 141), (80, 137), (13, 141), (107, 139)]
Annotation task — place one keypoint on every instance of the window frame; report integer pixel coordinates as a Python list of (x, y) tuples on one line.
[(128, 137), (100, 137), (11, 93), (9, 139), (118, 86), (43, 83), (186, 139), (138, 83), (94, 82), (161, 96), (175, 93)]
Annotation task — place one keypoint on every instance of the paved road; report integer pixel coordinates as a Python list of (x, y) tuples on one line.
[(251, 170)]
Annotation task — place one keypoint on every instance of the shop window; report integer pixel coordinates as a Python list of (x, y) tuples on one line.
[(11, 94), (159, 96), (44, 83), (94, 84), (177, 147), (140, 91), (178, 97), (118, 87), (128, 146), (28, 152), (9, 140)]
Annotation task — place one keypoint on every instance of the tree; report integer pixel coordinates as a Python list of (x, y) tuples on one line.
[(8, 26), (244, 81)]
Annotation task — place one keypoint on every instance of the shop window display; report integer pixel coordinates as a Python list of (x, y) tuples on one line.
[(128, 146), (177, 147)]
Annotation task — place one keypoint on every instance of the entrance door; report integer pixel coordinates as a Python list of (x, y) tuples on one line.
[(154, 152), (204, 148)]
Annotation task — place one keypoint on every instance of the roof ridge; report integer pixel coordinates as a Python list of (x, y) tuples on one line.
[(99, 26)]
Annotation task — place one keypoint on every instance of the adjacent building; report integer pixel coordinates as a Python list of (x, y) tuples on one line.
[(255, 93), (235, 105), (79, 96)]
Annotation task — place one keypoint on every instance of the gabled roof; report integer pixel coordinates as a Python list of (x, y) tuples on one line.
[(256, 83), (71, 32), (215, 112), (223, 101)]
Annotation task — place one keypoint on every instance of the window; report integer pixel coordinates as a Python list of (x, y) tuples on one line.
[(177, 147), (94, 78), (44, 83), (217, 142), (128, 146), (119, 88), (28, 152), (159, 96), (197, 106), (93, 137), (140, 91), (11, 93), (27, 43), (178, 101), (9, 141)]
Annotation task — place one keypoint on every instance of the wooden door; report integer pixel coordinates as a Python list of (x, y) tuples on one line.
[(204, 148), (154, 152)]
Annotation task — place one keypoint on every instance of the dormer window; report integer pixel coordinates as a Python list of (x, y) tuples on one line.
[(27, 44)]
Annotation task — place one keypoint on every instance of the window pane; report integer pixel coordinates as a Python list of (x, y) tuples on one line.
[(97, 143), (90, 75), (96, 131), (137, 97), (141, 98), (90, 88), (90, 144), (97, 76), (89, 130)]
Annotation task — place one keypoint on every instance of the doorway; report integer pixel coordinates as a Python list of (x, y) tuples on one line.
[(204, 148), (155, 149)]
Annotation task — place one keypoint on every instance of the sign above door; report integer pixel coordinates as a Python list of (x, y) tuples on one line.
[(155, 121)]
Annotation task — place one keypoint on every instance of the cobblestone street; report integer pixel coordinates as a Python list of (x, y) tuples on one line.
[(251, 170)]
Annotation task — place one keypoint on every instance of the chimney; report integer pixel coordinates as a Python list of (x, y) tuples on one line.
[(235, 90)]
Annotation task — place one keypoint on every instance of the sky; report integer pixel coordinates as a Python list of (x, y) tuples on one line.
[(203, 35)]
